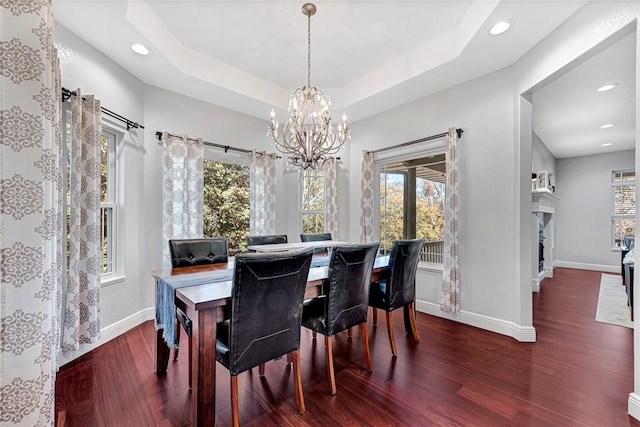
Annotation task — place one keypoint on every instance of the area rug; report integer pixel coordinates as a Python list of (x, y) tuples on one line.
[(612, 302)]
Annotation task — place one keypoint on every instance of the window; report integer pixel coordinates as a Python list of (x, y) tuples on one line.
[(312, 201), (108, 198), (411, 204), (623, 217), (108, 205), (226, 202)]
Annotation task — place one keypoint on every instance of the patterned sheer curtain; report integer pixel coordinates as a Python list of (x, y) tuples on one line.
[(366, 198), (262, 193), (331, 184), (183, 183), (31, 254), (450, 302), (81, 320)]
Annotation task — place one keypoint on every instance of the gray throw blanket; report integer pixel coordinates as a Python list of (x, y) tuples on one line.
[(165, 309)]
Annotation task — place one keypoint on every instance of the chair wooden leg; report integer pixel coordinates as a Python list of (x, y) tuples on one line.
[(261, 369), (289, 359), (365, 345), (412, 321), (190, 361), (349, 332), (235, 421), (314, 334), (392, 340), (297, 380), (329, 355), (375, 316)]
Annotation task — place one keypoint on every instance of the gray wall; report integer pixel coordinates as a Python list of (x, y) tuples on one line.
[(541, 157), (483, 109), (583, 212)]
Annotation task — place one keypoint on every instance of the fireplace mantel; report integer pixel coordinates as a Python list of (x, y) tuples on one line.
[(544, 201)]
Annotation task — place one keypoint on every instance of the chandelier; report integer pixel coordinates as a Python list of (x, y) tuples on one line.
[(308, 137)]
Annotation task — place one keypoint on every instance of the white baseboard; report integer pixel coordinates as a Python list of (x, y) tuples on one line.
[(503, 327), (535, 285), (585, 266), (110, 332), (633, 405)]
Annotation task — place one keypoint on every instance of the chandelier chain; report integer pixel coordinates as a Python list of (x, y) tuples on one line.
[(309, 49)]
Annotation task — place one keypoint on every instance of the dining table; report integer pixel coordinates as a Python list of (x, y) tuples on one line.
[(206, 304), (283, 247)]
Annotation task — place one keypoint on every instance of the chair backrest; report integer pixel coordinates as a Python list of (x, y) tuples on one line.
[(266, 307), (188, 252), (347, 290), (403, 263), (316, 238), (266, 240)]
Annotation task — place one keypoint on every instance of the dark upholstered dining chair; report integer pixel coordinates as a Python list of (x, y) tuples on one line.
[(399, 289), (315, 238), (345, 302), (266, 239), (190, 252), (265, 315)]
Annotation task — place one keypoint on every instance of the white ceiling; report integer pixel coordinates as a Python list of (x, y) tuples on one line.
[(568, 112), (370, 56)]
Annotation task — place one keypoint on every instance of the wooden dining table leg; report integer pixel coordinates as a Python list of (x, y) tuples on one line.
[(162, 351), (203, 373)]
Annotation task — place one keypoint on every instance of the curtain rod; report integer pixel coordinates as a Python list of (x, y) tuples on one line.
[(428, 138), (213, 144), (66, 94)]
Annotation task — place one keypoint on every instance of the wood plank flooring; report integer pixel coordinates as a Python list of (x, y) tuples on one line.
[(578, 373)]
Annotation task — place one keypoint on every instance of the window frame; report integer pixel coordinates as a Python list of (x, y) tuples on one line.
[(424, 149), (115, 130), (302, 212), (233, 157), (110, 205), (615, 183)]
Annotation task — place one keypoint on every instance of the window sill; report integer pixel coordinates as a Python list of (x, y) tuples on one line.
[(431, 267), (111, 280)]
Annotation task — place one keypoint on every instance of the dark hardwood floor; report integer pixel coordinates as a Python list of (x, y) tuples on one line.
[(578, 373)]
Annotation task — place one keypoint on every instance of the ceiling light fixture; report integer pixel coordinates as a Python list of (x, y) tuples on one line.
[(500, 28), (308, 136), (607, 126), (606, 144), (140, 49), (607, 87)]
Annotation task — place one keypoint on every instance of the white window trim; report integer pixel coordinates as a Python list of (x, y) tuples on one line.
[(119, 131), (398, 155), (302, 212), (236, 157)]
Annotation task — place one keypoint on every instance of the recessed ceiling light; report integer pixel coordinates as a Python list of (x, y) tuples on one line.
[(607, 87), (606, 144), (608, 125), (140, 49), (500, 28)]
